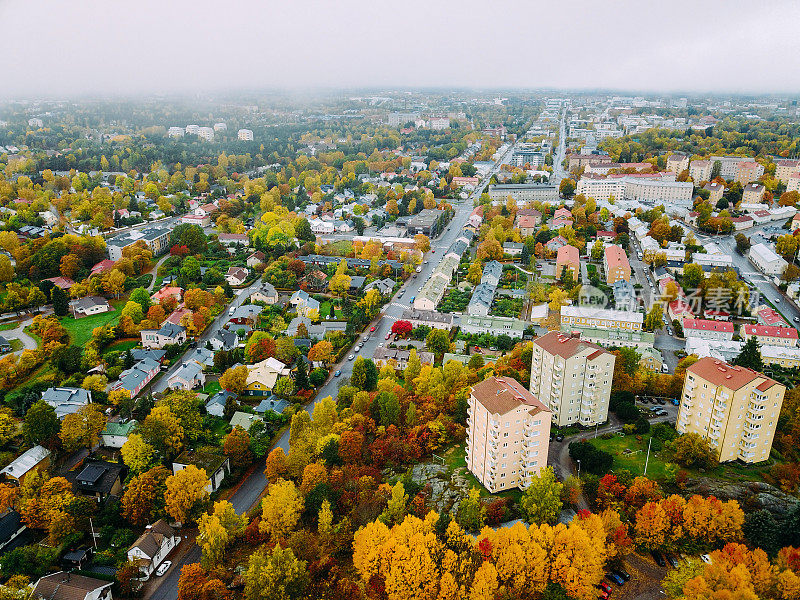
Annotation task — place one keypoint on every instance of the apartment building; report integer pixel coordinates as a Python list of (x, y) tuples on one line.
[(603, 318), (156, 237), (616, 265), (568, 257), (677, 163), (715, 191), (524, 192), (766, 259), (748, 171), (784, 169), (508, 434), (734, 408), (700, 170), (576, 161), (245, 135), (572, 377), (708, 329), (752, 193), (770, 335)]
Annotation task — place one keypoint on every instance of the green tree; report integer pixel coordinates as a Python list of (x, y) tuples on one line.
[(141, 297), (471, 512), (41, 423), (60, 301), (693, 277), (691, 450), (277, 575), (190, 269), (541, 501), (654, 318), (567, 187), (438, 341), (742, 243), (750, 356)]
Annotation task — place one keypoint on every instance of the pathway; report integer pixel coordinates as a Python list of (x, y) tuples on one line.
[(28, 343), (154, 271)]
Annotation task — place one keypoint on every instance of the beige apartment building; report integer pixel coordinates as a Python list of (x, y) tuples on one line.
[(616, 265), (734, 408), (572, 377), (677, 163), (784, 169), (508, 434)]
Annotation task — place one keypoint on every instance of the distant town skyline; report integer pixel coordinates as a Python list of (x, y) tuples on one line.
[(90, 47)]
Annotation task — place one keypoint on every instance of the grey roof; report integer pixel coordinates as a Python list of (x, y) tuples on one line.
[(66, 400), (188, 371), (272, 403), (131, 378), (221, 397), (458, 247), (171, 330), (229, 339), (492, 269), (204, 356), (431, 316), (10, 523), (247, 311), (356, 281), (26, 461), (141, 353), (84, 304)]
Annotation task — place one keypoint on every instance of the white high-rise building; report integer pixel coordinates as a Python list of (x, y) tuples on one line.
[(246, 135), (175, 132), (206, 133)]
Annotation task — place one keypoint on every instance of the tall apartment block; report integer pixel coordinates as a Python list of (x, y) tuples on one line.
[(734, 408), (572, 377), (508, 434)]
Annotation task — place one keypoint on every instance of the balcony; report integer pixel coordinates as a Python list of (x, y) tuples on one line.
[(747, 455)]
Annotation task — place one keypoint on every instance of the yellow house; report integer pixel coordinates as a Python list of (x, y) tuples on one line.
[(261, 377)]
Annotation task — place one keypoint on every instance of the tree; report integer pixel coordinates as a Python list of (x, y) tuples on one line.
[(321, 352), (742, 243), (141, 296), (41, 423), (652, 526), (281, 509), (691, 450), (284, 387), (471, 511), (237, 447), (82, 428), (277, 575), (339, 284), (438, 341), (301, 376), (422, 242), (566, 188), (142, 501), (216, 530), (276, 465), (60, 302), (402, 328), (186, 493), (162, 430), (763, 531), (137, 454), (541, 501), (234, 379), (184, 405), (750, 356), (655, 318), (6, 269), (558, 298)]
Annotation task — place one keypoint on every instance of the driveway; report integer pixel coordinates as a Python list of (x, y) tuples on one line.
[(28, 343)]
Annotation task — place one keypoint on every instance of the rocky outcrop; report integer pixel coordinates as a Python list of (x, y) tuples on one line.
[(751, 495), (444, 490)]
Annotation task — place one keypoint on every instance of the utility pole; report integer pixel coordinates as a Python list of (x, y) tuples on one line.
[(647, 459)]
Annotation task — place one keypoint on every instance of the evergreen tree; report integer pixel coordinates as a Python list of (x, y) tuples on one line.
[(750, 356), (60, 302), (301, 377)]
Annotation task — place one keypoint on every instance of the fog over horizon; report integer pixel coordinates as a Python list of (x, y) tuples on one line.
[(92, 48)]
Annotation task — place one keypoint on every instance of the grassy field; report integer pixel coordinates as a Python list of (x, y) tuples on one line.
[(325, 310), (7, 326), (121, 346), (15, 344), (211, 388), (630, 453), (80, 330)]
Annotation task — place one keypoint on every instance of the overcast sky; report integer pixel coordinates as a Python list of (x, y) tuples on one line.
[(60, 47)]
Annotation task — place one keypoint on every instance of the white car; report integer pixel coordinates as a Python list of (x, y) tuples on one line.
[(351, 357), (705, 558), (163, 568)]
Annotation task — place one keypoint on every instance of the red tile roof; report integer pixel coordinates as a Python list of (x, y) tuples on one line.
[(721, 373), (786, 333), (566, 345), (502, 394), (708, 325)]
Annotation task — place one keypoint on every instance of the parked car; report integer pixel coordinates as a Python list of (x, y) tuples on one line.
[(372, 328), (661, 401), (644, 400), (662, 413), (337, 374), (388, 335), (797, 319), (705, 558), (602, 594), (672, 561), (163, 568), (358, 347), (559, 438), (351, 357), (658, 558), (605, 587), (622, 573), (615, 578)]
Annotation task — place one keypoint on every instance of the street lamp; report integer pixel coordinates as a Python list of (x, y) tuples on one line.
[(579, 468)]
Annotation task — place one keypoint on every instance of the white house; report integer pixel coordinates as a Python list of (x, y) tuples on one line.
[(189, 376), (153, 546), (766, 259)]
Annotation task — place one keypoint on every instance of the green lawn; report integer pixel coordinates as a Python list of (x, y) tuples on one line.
[(15, 344), (80, 330), (455, 457), (211, 388), (325, 310), (121, 346), (7, 326), (629, 453)]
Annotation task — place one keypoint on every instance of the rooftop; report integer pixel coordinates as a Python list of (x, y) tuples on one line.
[(502, 394), (721, 373), (565, 345)]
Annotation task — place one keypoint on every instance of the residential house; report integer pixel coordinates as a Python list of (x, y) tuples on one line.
[(246, 314), (303, 303), (261, 377), (554, 244), (90, 305), (104, 266), (528, 224), (255, 259), (66, 401), (271, 403), (568, 258), (134, 380), (98, 480), (188, 376), (233, 239), (64, 283), (476, 324), (708, 329), (429, 318), (244, 420), (216, 404), (216, 467), (167, 335), (168, 292), (492, 272), (32, 460), (766, 259), (769, 335), (236, 275), (224, 340), (116, 433), (266, 294), (384, 286), (651, 359), (481, 301), (398, 358), (513, 249), (766, 315), (70, 586), (153, 546), (199, 220), (11, 527)]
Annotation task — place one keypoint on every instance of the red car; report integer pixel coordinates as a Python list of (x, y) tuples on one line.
[(372, 328), (605, 587)]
